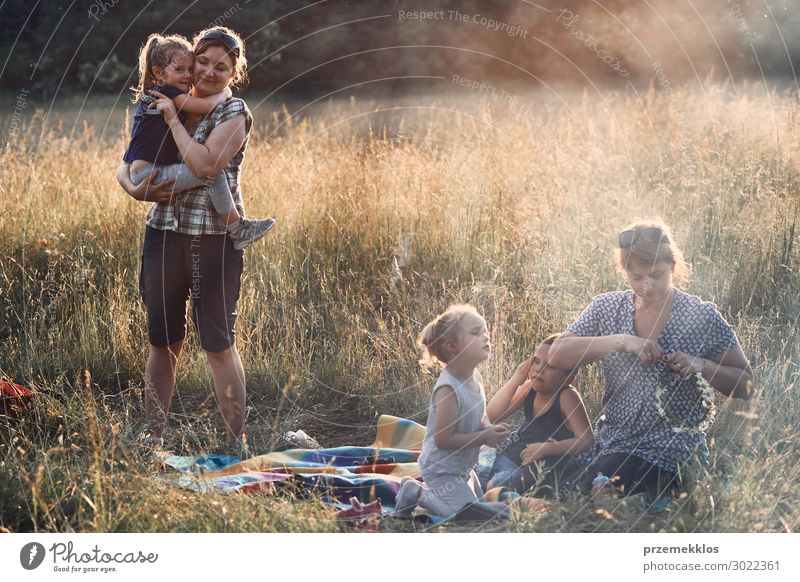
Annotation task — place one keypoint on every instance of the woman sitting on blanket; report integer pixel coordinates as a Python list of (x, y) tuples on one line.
[(663, 354), (539, 455)]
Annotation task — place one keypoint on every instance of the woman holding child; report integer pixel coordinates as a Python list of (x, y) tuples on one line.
[(189, 248), (650, 434)]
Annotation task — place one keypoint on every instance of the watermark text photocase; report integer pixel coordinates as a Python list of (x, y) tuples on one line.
[(101, 8), (569, 19)]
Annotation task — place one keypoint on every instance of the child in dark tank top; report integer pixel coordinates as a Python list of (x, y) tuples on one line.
[(541, 451)]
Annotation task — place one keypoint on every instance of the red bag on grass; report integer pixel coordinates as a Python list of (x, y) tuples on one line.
[(15, 400)]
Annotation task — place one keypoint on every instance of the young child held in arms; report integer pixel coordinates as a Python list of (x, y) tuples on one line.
[(165, 68), (539, 455), (457, 426)]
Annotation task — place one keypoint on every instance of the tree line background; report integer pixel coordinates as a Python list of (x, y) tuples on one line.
[(306, 47)]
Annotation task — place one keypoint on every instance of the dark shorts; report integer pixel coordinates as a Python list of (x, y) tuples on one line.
[(205, 268)]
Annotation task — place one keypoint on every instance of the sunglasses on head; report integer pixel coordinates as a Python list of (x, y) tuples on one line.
[(226, 38), (650, 234)]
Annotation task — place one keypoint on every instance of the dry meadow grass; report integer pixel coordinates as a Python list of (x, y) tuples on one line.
[(387, 212)]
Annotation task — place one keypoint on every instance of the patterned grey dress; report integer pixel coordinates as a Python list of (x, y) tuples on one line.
[(630, 421)]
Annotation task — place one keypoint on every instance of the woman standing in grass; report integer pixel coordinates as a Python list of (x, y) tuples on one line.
[(165, 70), (186, 250), (651, 432)]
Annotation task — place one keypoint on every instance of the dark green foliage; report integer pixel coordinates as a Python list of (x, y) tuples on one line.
[(313, 48)]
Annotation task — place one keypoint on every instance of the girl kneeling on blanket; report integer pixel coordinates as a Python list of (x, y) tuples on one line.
[(457, 423)]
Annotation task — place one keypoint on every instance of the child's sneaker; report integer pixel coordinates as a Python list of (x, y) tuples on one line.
[(250, 231)]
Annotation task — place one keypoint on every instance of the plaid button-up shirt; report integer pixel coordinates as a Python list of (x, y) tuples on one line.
[(191, 212)]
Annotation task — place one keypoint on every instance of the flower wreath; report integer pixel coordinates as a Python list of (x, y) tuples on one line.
[(666, 387)]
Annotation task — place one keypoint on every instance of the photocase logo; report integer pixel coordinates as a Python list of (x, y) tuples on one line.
[(31, 555)]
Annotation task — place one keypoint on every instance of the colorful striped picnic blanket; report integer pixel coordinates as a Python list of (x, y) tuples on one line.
[(335, 474)]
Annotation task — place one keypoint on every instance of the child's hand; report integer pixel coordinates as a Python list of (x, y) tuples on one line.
[(494, 435), (522, 371), (221, 97), (165, 105), (533, 452)]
